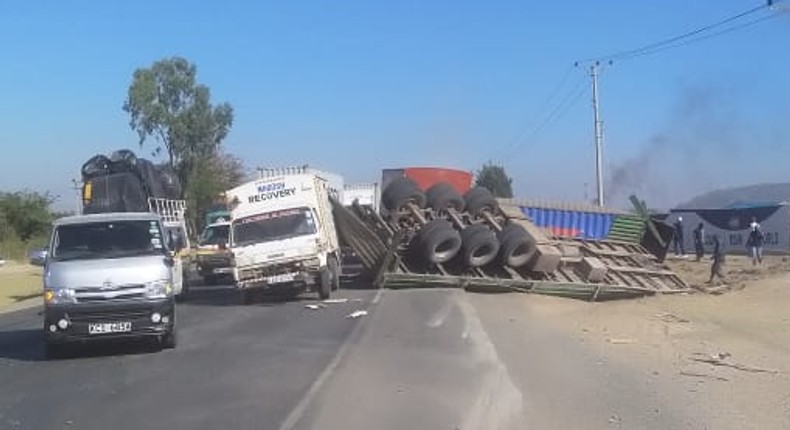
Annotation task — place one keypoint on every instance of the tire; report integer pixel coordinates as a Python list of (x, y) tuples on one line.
[(479, 200), (54, 351), (437, 242), (480, 246), (442, 196), (169, 340), (334, 269), (324, 284), (400, 192), (517, 248), (209, 279), (247, 297)]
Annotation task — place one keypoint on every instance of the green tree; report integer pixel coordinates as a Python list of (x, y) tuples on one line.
[(26, 214), (211, 177), (165, 102), (494, 178)]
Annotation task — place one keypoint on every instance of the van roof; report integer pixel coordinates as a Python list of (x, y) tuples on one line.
[(107, 217)]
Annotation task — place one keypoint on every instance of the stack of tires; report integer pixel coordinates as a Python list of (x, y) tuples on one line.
[(474, 242), (123, 183)]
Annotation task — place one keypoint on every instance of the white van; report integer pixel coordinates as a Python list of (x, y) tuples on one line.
[(283, 235)]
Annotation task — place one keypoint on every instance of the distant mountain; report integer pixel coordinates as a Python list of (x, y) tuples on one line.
[(752, 195)]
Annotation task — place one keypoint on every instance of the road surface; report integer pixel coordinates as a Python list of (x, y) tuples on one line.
[(420, 359)]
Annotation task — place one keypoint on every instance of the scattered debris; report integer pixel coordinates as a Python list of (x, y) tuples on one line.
[(703, 375), (615, 419), (357, 314), (335, 300), (621, 341), (719, 360), (670, 318), (315, 307)]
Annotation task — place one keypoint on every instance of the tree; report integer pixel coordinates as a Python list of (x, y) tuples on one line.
[(210, 177), (27, 214), (166, 102), (495, 179)]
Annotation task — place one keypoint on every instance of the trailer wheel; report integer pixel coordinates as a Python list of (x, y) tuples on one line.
[(480, 245), (334, 270), (324, 284), (442, 196), (400, 192), (438, 242), (517, 247), (479, 199)]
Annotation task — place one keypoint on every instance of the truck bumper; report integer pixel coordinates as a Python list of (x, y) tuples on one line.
[(79, 317)]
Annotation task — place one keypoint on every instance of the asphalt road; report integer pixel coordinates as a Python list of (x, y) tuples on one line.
[(420, 359)]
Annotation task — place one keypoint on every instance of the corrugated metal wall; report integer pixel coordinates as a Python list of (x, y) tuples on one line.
[(566, 223)]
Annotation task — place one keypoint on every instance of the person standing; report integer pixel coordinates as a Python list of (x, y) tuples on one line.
[(755, 243), (718, 260), (679, 251), (699, 241)]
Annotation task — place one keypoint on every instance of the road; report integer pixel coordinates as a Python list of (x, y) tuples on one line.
[(421, 359)]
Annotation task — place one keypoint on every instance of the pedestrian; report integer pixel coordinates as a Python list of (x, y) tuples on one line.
[(699, 241), (679, 251), (718, 260), (755, 243)]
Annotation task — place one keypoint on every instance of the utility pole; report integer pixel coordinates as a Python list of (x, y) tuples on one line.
[(78, 189), (598, 132)]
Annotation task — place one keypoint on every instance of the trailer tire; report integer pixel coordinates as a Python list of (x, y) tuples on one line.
[(480, 245), (443, 196), (334, 270), (517, 247), (400, 192), (438, 242), (479, 200), (324, 284)]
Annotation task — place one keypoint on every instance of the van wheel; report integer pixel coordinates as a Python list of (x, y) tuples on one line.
[(325, 284), (168, 341)]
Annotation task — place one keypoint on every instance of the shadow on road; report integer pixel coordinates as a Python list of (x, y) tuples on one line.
[(28, 345)]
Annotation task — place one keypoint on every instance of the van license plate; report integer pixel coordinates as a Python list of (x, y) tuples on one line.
[(114, 327), (279, 279)]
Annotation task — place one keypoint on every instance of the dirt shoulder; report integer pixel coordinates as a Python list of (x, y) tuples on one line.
[(19, 283), (729, 351)]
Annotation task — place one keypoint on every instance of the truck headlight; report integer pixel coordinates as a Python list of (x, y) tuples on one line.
[(158, 289), (57, 296)]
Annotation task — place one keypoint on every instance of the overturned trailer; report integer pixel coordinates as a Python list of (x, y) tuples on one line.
[(440, 238)]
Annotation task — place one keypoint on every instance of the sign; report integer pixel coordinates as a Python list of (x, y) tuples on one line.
[(274, 190)]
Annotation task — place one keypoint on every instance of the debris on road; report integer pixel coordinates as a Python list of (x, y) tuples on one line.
[(621, 341), (357, 314), (670, 318), (615, 419), (720, 359), (703, 375), (315, 307), (335, 300)]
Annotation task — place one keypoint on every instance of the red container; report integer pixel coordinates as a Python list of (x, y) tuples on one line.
[(425, 177)]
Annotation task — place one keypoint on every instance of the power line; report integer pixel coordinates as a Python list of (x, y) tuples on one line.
[(655, 45)]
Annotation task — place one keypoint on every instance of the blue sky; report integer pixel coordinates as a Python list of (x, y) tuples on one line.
[(356, 86)]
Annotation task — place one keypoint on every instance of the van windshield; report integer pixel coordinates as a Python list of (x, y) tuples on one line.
[(114, 239), (271, 226)]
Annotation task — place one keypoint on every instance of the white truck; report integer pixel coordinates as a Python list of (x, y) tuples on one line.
[(283, 234)]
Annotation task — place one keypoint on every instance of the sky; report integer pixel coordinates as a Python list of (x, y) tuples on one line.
[(357, 86)]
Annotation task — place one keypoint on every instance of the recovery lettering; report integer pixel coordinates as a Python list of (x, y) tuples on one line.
[(258, 198)]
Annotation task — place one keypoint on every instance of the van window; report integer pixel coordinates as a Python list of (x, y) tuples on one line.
[(115, 239), (271, 226)]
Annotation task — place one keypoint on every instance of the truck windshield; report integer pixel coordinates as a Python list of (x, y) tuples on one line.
[(215, 235), (115, 239), (271, 226)]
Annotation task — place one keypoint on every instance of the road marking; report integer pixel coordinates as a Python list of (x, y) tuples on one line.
[(298, 411)]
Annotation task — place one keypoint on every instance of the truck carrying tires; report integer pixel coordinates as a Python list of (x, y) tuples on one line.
[(282, 234)]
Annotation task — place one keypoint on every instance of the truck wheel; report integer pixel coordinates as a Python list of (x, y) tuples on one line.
[(169, 340), (479, 199), (480, 245), (334, 270), (209, 280), (324, 284), (517, 247), (438, 242), (400, 192), (442, 196)]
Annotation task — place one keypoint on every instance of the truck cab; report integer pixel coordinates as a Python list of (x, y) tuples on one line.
[(107, 276), (214, 260), (282, 235)]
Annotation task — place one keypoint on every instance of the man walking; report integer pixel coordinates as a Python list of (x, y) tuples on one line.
[(699, 241), (755, 243), (679, 251), (718, 260)]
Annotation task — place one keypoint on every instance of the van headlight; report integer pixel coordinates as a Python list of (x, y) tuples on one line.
[(58, 296), (158, 289)]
